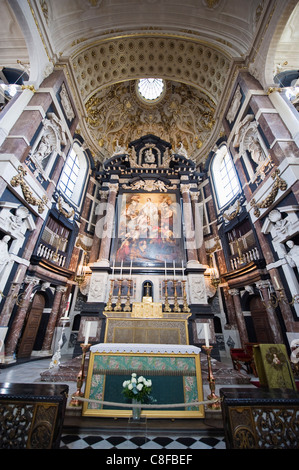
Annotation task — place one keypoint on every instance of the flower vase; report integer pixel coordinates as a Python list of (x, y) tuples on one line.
[(136, 411)]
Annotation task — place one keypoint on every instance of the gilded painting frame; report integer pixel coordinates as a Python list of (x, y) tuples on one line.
[(149, 229)]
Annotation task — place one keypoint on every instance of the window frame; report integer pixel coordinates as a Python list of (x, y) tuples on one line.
[(222, 154), (74, 195)]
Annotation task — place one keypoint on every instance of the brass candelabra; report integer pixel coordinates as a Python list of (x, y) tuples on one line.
[(109, 307), (167, 307), (216, 404), (127, 307), (117, 307), (185, 304), (176, 307), (80, 378)]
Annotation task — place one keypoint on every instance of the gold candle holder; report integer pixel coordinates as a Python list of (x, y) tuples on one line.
[(109, 307), (167, 307), (176, 307), (80, 378), (127, 307), (117, 307), (185, 304), (216, 405)]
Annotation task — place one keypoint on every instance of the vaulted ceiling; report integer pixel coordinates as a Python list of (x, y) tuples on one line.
[(196, 46)]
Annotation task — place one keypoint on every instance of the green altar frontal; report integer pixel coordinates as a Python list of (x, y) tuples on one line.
[(174, 370)]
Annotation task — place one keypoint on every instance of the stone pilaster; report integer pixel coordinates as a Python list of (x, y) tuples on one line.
[(46, 347), (108, 225), (94, 252), (198, 225), (18, 323), (239, 315), (263, 287), (189, 224)]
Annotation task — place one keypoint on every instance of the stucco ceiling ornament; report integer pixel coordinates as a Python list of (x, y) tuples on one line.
[(185, 116)]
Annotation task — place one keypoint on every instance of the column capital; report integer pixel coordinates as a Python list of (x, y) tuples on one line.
[(233, 291), (31, 280), (263, 284), (194, 195), (185, 188), (103, 195), (113, 187), (61, 289)]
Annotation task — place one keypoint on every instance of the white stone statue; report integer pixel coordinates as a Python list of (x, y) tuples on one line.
[(119, 150), (5, 257), (255, 149), (280, 224), (44, 149), (181, 150), (292, 256), (149, 156)]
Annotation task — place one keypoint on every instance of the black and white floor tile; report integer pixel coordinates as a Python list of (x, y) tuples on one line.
[(72, 441)]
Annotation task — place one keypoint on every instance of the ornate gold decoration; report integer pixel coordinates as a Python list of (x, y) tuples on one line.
[(216, 246), (212, 3), (234, 213), (146, 310), (149, 185), (66, 214), (271, 426), (81, 244), (272, 89), (28, 195), (279, 183), (28, 87), (27, 425), (184, 115)]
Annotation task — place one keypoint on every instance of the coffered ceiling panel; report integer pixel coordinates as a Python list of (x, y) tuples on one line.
[(131, 57)]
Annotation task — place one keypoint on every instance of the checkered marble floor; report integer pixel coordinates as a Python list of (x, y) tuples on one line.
[(86, 441)]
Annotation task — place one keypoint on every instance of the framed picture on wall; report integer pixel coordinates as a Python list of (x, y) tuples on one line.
[(149, 229)]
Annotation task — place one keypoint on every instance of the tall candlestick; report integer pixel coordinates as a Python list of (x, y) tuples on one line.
[(173, 268), (183, 269), (206, 330), (131, 269), (113, 267), (276, 282), (68, 306), (87, 331), (121, 268), (165, 271)]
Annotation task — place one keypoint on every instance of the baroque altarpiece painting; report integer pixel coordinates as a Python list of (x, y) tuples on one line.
[(149, 229)]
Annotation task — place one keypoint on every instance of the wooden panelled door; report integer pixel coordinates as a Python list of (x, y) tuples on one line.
[(260, 321), (31, 328)]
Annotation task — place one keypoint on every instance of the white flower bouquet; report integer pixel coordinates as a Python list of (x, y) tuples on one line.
[(137, 387)]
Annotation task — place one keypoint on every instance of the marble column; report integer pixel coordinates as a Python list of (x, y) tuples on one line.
[(263, 287), (12, 296), (230, 308), (94, 252), (239, 315), (198, 226), (46, 347), (18, 323), (286, 111), (189, 224), (108, 225)]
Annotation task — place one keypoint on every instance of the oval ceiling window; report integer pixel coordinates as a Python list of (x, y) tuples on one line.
[(151, 90)]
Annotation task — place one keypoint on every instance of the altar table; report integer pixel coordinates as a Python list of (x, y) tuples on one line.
[(174, 370)]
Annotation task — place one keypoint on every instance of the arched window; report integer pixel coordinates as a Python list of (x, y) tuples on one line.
[(225, 179), (73, 176)]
